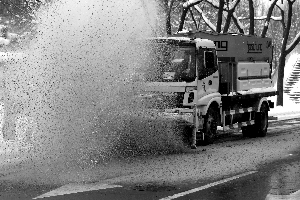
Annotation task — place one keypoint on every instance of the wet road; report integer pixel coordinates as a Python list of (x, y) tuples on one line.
[(232, 168), (276, 180)]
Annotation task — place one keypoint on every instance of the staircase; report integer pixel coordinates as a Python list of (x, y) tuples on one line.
[(292, 81)]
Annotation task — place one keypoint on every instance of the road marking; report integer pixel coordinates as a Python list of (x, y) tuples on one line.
[(207, 186), (76, 188)]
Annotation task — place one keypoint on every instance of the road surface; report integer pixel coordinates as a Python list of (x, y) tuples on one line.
[(232, 168)]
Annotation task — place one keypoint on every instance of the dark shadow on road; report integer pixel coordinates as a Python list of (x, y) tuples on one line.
[(275, 128)]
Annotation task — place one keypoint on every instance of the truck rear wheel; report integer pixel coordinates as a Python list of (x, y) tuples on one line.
[(261, 121), (259, 129), (248, 131), (210, 126)]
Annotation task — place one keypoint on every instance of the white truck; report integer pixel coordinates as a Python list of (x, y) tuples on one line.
[(204, 80)]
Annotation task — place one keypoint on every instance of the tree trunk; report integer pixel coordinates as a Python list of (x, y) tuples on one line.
[(168, 10), (235, 20), (182, 18), (266, 26), (251, 14), (220, 15), (228, 20), (194, 20), (280, 79), (284, 53), (168, 23)]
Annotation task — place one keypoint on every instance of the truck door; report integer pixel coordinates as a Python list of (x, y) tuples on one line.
[(208, 75)]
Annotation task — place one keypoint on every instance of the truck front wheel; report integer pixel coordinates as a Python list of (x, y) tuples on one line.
[(210, 126)]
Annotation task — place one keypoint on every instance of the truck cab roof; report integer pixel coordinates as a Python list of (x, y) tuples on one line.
[(198, 42)]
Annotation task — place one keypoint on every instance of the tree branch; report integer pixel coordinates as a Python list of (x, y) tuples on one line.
[(227, 23), (185, 9), (233, 4), (230, 12), (282, 17), (293, 44), (207, 22), (262, 18), (237, 23), (193, 18), (191, 3), (214, 4), (270, 11)]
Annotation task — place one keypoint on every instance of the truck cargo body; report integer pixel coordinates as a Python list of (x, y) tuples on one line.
[(236, 47)]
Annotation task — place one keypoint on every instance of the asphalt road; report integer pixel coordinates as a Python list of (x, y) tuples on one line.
[(232, 168)]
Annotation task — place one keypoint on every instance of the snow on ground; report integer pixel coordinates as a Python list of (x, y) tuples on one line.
[(292, 59), (288, 105)]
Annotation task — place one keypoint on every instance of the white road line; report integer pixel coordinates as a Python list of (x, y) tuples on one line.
[(207, 186), (75, 188)]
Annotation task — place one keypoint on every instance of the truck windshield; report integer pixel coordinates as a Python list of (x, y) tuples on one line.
[(170, 63)]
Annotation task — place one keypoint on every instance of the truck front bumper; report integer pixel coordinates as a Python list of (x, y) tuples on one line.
[(181, 116)]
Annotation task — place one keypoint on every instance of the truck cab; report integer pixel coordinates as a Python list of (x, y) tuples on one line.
[(187, 67)]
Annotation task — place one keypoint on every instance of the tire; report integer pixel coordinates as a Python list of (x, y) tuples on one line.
[(259, 129), (261, 121), (210, 126), (249, 131)]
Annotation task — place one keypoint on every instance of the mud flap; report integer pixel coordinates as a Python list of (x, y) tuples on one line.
[(195, 129), (197, 135)]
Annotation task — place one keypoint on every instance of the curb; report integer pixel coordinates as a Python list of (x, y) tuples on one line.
[(284, 117)]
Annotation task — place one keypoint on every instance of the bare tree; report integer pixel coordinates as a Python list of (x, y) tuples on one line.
[(167, 6), (285, 48), (230, 12), (228, 8), (185, 8)]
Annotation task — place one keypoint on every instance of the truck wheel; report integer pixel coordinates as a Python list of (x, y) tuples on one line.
[(210, 126), (248, 131), (261, 121)]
